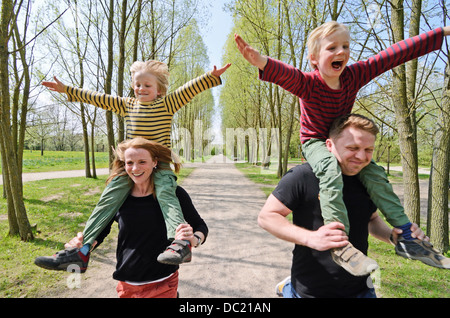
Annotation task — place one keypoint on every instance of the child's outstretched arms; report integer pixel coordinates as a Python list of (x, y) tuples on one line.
[(217, 72), (250, 54), (55, 86)]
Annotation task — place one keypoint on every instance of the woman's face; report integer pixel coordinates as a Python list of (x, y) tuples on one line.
[(139, 165)]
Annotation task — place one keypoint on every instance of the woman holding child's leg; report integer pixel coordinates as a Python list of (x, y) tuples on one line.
[(142, 230)]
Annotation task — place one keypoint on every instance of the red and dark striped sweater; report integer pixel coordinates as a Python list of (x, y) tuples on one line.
[(321, 105)]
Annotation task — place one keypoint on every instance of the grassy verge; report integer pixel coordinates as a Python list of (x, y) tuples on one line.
[(397, 277), (60, 209), (59, 160)]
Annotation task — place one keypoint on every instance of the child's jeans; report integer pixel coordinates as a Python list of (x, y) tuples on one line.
[(115, 195), (326, 168)]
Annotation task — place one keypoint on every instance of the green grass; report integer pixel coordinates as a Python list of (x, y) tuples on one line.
[(59, 160), (60, 208), (397, 277), (265, 179)]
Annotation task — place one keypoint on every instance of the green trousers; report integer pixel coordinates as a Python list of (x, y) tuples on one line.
[(115, 195), (326, 168)]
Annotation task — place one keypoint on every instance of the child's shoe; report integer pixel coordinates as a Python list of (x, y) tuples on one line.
[(176, 253), (421, 250), (62, 260), (353, 260)]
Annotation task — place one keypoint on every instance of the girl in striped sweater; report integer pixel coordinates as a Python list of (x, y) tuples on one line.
[(149, 114)]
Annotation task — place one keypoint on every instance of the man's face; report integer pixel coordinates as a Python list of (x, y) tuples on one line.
[(353, 149)]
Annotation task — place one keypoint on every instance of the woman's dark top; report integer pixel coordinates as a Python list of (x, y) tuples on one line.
[(143, 236)]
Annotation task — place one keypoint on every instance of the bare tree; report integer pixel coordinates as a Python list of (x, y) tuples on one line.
[(17, 216)]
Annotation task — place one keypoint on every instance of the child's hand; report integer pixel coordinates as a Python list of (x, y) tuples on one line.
[(217, 72), (250, 54), (55, 86)]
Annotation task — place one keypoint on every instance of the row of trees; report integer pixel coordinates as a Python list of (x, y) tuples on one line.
[(410, 103)]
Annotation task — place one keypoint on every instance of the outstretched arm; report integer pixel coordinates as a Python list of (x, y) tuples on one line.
[(217, 72), (250, 54), (56, 86)]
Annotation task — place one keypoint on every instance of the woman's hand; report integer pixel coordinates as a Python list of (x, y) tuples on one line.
[(185, 232), (77, 241)]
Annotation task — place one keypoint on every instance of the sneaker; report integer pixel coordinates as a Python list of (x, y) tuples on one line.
[(421, 250), (176, 253), (68, 259), (280, 286), (353, 260)]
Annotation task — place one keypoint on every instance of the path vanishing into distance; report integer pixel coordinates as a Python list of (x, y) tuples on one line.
[(238, 259)]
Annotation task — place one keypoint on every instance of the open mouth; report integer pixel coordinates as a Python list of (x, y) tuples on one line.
[(138, 174), (337, 65)]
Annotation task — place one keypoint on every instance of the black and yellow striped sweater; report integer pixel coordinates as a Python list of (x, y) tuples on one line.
[(151, 120)]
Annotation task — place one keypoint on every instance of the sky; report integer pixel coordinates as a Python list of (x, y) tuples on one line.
[(216, 30), (214, 35)]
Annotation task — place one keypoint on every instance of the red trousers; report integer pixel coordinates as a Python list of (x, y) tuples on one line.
[(164, 289)]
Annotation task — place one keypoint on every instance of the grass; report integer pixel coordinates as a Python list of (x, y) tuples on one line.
[(59, 160), (397, 277), (59, 208)]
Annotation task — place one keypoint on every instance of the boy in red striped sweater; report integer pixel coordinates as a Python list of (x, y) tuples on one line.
[(326, 93)]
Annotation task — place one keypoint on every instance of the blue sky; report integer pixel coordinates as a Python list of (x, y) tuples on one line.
[(216, 31), (215, 34)]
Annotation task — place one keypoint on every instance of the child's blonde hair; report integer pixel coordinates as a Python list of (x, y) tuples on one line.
[(318, 34), (157, 69)]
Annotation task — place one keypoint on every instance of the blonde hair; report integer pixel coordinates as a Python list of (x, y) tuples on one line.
[(352, 120), (313, 42), (158, 152), (158, 69)]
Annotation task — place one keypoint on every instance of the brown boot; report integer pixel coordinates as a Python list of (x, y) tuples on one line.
[(353, 260)]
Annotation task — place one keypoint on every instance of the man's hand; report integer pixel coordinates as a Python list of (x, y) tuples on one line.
[(329, 236)]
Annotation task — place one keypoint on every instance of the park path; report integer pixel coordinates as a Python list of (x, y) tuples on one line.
[(238, 259), (33, 176)]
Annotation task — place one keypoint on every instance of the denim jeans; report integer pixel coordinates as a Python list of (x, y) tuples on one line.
[(290, 292)]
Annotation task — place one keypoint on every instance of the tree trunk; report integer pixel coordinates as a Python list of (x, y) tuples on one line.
[(108, 79), (121, 68), (17, 216), (437, 225), (408, 145)]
